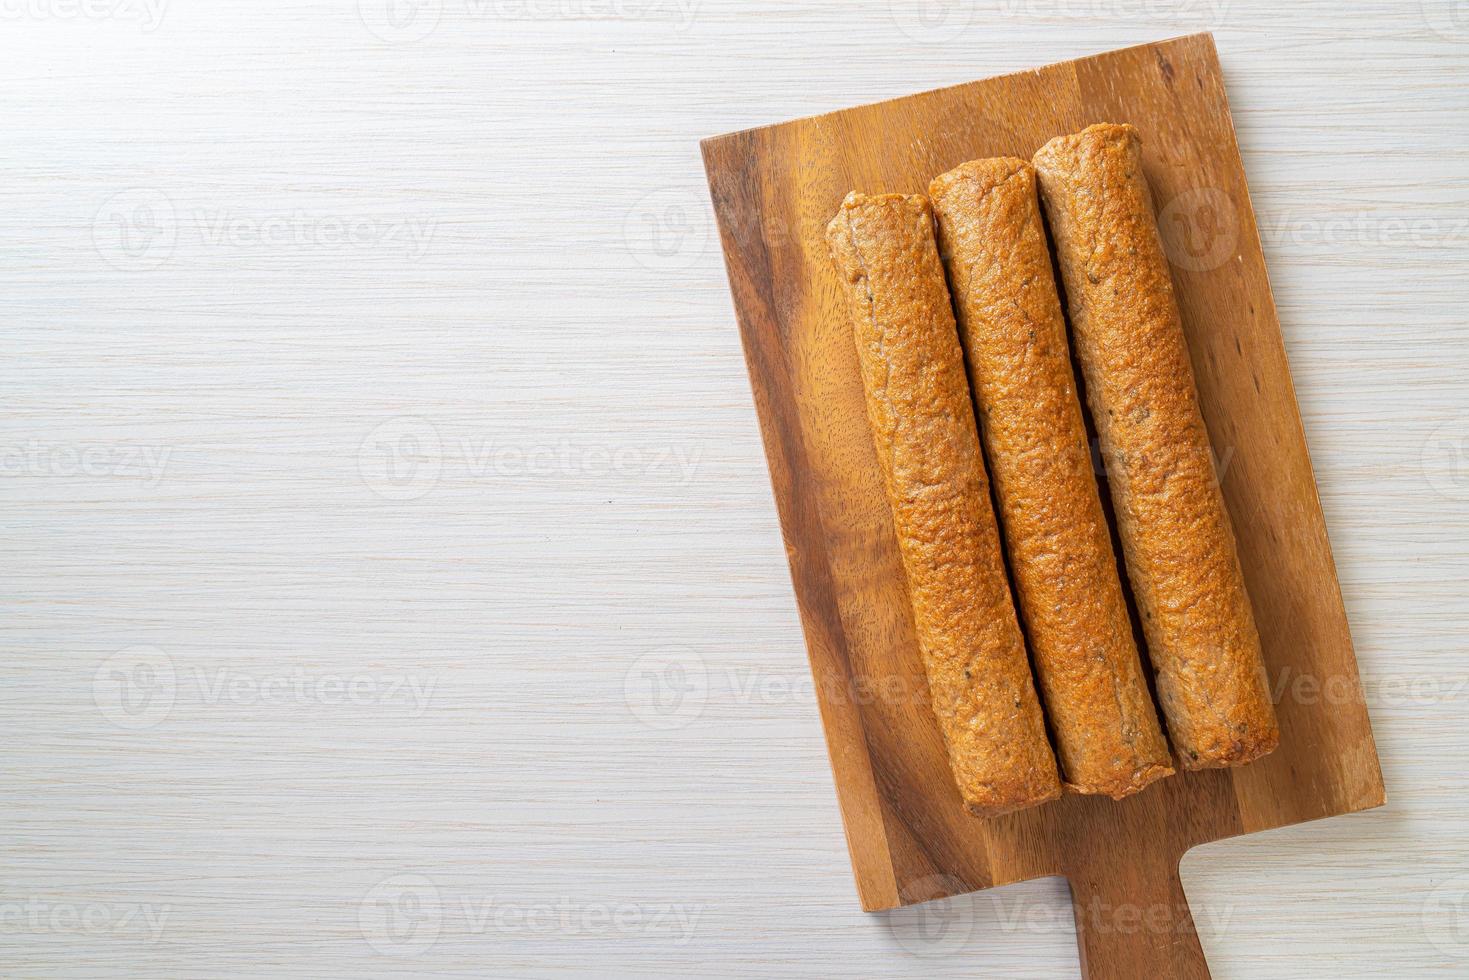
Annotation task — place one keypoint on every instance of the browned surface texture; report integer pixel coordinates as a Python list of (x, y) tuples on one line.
[(1174, 527), (1060, 548), (774, 191), (928, 449)]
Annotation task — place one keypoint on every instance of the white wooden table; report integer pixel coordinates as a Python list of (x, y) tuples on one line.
[(392, 582)]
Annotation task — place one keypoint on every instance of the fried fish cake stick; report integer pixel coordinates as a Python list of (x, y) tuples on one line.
[(1091, 679), (924, 432), (1176, 534)]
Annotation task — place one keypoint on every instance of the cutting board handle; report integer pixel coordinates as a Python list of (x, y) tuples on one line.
[(1133, 920)]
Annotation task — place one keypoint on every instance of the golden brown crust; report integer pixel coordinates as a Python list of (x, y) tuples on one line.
[(928, 448), (1091, 678), (1175, 531)]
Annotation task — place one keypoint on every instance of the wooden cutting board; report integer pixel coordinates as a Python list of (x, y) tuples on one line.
[(774, 190)]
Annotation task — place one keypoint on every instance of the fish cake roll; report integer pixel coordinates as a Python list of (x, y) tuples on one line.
[(1070, 595), (927, 446), (1175, 530)]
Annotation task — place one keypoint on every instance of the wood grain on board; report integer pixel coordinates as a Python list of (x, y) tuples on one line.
[(774, 189)]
